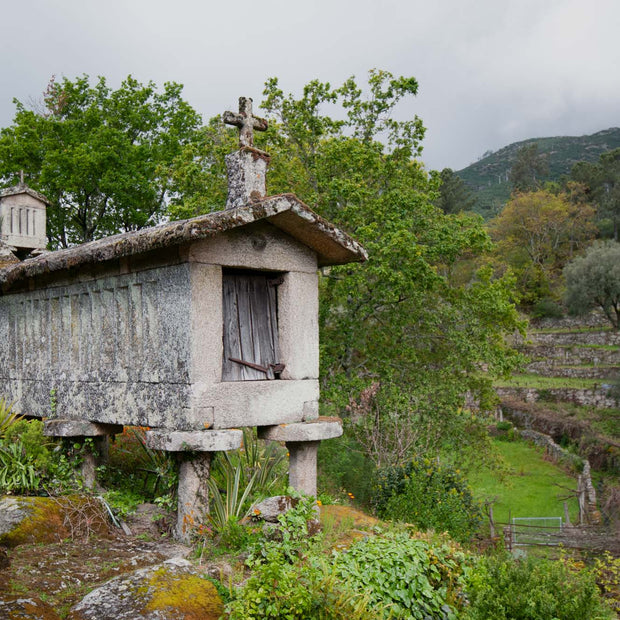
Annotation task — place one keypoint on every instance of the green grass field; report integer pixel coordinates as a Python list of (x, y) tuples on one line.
[(529, 487)]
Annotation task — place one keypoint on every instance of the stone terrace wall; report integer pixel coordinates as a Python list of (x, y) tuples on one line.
[(573, 354), (588, 398), (577, 338)]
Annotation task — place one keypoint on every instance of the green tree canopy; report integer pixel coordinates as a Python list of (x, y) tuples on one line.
[(536, 234), (602, 180), (454, 195), (528, 169), (593, 281), (409, 325), (103, 157)]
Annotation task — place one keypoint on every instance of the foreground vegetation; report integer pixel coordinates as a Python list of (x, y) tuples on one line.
[(345, 568)]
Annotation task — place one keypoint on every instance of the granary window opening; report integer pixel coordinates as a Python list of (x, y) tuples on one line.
[(250, 325)]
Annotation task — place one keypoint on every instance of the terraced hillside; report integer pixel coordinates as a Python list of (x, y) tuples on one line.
[(570, 391)]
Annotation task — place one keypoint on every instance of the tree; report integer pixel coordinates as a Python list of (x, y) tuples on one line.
[(528, 169), (602, 180), (593, 281), (103, 157), (406, 320), (536, 234), (454, 196)]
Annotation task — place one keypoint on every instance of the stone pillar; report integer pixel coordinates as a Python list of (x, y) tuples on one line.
[(79, 431), (302, 440), (193, 495), (302, 465), (247, 169), (193, 451)]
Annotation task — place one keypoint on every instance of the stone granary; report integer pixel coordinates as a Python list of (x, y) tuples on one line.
[(192, 328), (22, 223)]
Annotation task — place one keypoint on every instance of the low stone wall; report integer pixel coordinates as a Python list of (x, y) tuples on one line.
[(588, 510), (573, 354), (555, 451), (578, 338), (600, 451), (589, 398), (594, 319), (547, 369)]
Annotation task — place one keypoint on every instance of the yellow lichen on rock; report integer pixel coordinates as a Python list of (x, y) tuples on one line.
[(41, 521), (189, 596)]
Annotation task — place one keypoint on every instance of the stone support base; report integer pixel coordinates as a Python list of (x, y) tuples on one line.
[(302, 440), (79, 431), (193, 451), (79, 428), (193, 493), (302, 465)]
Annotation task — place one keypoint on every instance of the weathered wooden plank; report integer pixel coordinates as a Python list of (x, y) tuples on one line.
[(250, 326), (230, 371)]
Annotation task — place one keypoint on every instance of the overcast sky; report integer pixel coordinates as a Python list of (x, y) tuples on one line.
[(491, 72)]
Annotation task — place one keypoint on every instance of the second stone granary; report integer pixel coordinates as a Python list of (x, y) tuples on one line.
[(189, 328)]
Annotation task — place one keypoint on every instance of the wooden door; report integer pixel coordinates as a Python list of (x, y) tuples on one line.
[(250, 327)]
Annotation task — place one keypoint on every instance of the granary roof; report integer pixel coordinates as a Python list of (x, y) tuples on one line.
[(6, 255), (285, 211), (22, 188)]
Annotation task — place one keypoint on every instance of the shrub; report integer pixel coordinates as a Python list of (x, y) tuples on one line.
[(343, 466), (428, 495), (404, 577), (135, 468), (239, 478), (547, 308), (506, 589), (7, 417), (301, 591), (31, 462), (276, 590)]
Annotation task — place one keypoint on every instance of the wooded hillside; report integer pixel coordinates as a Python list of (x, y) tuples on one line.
[(488, 178)]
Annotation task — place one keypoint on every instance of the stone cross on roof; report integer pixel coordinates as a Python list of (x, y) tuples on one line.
[(246, 122)]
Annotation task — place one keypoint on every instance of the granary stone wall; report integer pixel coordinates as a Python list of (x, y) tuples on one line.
[(99, 343)]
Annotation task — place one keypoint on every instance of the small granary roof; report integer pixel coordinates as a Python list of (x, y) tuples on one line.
[(285, 211), (22, 188)]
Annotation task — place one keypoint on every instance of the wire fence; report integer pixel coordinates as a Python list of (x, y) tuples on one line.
[(536, 531), (523, 532)]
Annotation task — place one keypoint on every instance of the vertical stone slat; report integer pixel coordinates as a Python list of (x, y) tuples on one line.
[(137, 334)]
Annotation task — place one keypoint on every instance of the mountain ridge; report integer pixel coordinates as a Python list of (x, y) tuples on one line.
[(487, 178)]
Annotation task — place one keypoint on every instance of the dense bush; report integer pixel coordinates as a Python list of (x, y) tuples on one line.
[(429, 495), (404, 577), (291, 578), (387, 575), (343, 467), (547, 308), (32, 463), (506, 589)]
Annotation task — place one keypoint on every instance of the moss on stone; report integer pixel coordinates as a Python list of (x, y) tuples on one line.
[(50, 520), (190, 597), (44, 523), (20, 608)]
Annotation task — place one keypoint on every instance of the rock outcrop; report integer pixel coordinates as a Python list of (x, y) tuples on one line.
[(174, 590)]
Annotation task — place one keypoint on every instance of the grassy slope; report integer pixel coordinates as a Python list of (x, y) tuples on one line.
[(546, 383), (529, 487)]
